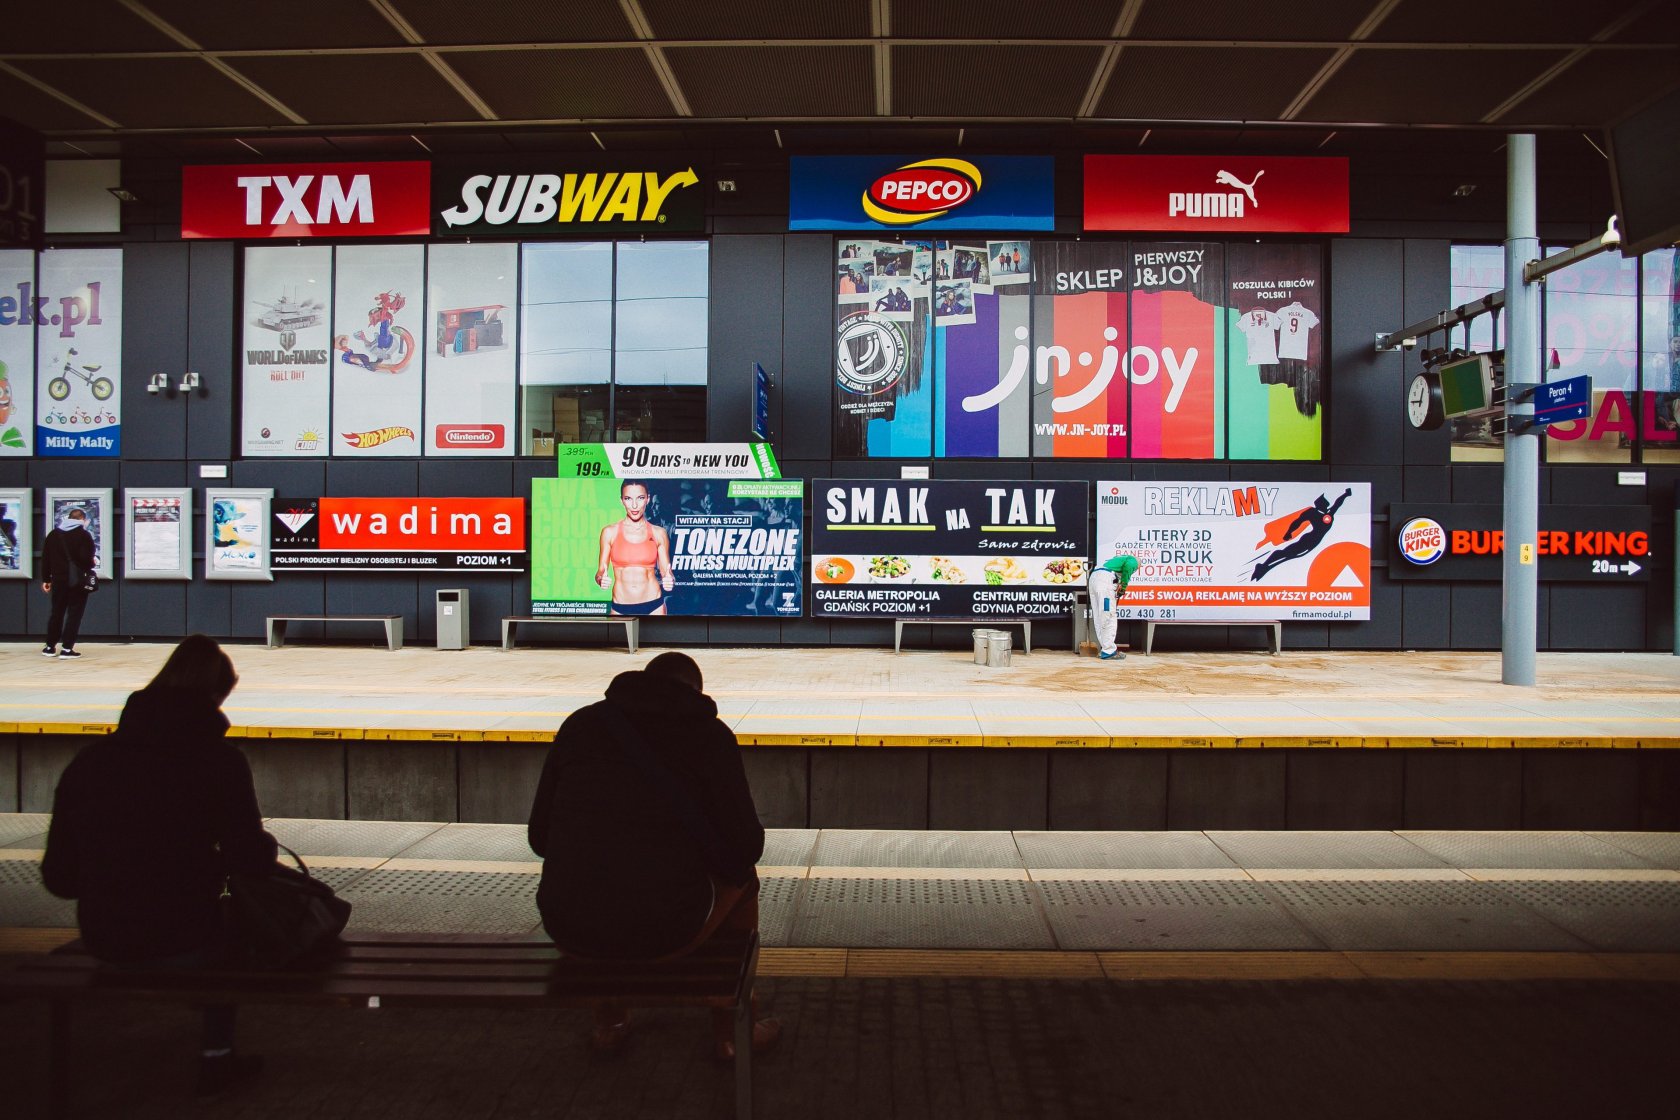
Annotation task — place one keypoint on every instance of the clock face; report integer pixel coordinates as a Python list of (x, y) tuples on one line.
[(1417, 401)]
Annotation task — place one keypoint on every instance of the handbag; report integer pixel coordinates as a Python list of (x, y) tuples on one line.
[(89, 582), (281, 915)]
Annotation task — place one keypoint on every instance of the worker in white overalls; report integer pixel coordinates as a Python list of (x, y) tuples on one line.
[(1107, 584)]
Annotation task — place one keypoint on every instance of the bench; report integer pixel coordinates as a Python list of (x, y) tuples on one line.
[(632, 626), (393, 624), (1024, 623), (1275, 629), (373, 971)]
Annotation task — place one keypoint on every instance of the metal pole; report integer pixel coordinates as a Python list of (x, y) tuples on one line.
[(1522, 443)]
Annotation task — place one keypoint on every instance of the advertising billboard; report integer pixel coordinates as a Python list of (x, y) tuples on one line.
[(1240, 551), (883, 548), (77, 310), (287, 351), (298, 200), (1575, 544), (490, 198), (401, 534), (1217, 194), (909, 193)]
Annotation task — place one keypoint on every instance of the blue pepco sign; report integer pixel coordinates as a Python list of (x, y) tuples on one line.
[(907, 193), (1557, 401)]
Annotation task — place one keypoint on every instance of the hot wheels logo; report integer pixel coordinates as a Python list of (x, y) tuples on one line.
[(921, 191), (364, 440)]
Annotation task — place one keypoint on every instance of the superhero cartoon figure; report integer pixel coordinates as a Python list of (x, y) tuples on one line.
[(1305, 532), (386, 347)]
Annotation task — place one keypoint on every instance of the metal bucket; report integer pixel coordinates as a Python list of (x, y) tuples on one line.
[(997, 648), (982, 644)]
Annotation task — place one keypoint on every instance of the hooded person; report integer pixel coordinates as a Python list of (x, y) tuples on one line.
[(648, 832), (1107, 586)]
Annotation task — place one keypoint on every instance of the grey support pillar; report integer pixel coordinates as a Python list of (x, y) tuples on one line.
[(1518, 639)]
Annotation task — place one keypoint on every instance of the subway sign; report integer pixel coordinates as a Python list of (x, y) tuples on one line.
[(1575, 544), (477, 199)]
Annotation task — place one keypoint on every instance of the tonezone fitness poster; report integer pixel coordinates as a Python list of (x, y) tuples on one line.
[(1241, 550), (888, 548)]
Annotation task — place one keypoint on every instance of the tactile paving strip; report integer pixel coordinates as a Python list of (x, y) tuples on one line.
[(1612, 915), (1323, 849), (1522, 849), (24, 901), (788, 847), (348, 838), (920, 914), (1170, 915), (861, 848), (1120, 849), (444, 901), (1398, 915), (777, 899), (505, 842), (21, 826), (1659, 848)]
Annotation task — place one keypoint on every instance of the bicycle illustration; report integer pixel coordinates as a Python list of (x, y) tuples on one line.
[(59, 387)]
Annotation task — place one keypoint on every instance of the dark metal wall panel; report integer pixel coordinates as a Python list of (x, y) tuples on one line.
[(988, 789), (869, 788), (1476, 611), (152, 609), (743, 328), (807, 373), (1565, 789), (209, 605), (1227, 789), (298, 777), (1112, 790), (15, 613), (1346, 789), (1659, 790), (251, 603), (155, 323), (396, 781), (213, 315), (41, 760), (1464, 789), (1382, 631), (470, 478), (1425, 616), (1365, 402), (8, 773), (1479, 483), (1427, 483), (780, 779), (1427, 290), (498, 780), (372, 478), (1595, 616), (366, 593)]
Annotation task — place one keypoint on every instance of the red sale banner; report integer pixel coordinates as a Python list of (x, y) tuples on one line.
[(306, 200), (1217, 194)]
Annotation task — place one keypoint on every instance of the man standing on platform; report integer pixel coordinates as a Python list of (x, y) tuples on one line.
[(1107, 585), (67, 554)]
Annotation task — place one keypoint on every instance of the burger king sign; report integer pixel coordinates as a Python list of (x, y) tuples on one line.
[(1423, 541)]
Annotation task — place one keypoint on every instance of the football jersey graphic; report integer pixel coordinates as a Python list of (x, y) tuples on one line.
[(1260, 327), (1295, 322)]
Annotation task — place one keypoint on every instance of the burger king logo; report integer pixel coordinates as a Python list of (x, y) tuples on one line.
[(1422, 540), (921, 191)]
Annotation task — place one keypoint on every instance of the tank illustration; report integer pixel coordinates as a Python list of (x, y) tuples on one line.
[(289, 314)]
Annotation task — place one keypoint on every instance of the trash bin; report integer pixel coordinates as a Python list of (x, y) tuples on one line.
[(454, 628), (997, 648), (981, 644)]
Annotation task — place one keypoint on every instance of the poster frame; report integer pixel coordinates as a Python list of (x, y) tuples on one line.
[(53, 498), (264, 496), (23, 501), (184, 536)]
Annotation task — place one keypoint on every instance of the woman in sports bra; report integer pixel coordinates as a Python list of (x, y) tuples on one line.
[(640, 555)]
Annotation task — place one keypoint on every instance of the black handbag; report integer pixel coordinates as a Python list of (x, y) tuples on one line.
[(89, 581), (280, 916)]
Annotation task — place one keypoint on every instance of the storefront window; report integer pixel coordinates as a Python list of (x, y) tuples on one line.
[(1477, 270), (1659, 410), (1591, 328)]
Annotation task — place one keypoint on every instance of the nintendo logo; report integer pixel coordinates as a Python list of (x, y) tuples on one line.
[(471, 435)]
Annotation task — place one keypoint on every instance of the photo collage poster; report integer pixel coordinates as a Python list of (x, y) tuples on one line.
[(287, 351), (95, 506), (378, 350), (472, 330), (78, 353), (1086, 349), (17, 357), (17, 539)]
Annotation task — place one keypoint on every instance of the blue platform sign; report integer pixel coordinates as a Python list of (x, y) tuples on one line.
[(760, 403), (909, 193), (1557, 401)]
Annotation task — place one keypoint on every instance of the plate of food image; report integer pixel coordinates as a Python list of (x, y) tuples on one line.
[(942, 570), (1004, 569), (1064, 571), (836, 569), (889, 569)]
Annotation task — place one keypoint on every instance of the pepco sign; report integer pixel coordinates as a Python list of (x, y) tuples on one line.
[(306, 200), (992, 193), (919, 192)]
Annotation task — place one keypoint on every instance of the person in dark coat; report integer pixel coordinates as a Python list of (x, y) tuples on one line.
[(147, 824), (66, 552), (629, 870)]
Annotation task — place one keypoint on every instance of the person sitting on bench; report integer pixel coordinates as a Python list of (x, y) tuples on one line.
[(648, 833), (148, 823)]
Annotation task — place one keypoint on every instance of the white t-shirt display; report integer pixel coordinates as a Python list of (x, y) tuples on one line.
[(1260, 327), (1296, 321)]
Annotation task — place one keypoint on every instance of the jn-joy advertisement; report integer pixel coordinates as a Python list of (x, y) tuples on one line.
[(378, 349), (891, 548), (647, 546), (1240, 551), (17, 352), (77, 312), (287, 350)]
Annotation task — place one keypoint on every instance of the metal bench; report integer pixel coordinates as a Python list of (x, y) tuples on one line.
[(632, 626), (1275, 629), (1024, 623), (393, 624), (408, 970)]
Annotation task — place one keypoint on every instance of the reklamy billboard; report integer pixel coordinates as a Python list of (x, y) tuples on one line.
[(888, 548), (912, 193), (1240, 551), (403, 534), (649, 546)]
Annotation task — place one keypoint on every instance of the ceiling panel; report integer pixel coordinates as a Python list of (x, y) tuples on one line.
[(1298, 20), (516, 21), (392, 145), (1659, 25), (297, 23), (640, 139), (155, 92), (1500, 21), (775, 81), (1425, 87), (988, 81), (300, 148), (759, 19), (551, 140), (349, 89), (1596, 89), (93, 26), (1004, 19), (34, 108), (565, 85), (1207, 83)]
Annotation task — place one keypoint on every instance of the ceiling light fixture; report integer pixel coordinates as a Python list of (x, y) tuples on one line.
[(1464, 190), (727, 186), (122, 194)]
